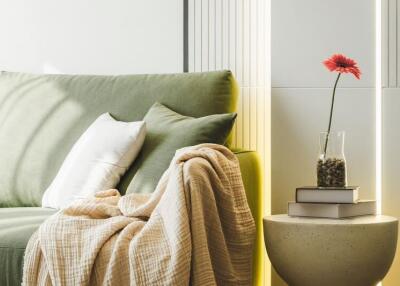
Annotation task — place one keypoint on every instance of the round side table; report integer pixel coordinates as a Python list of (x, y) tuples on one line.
[(317, 251)]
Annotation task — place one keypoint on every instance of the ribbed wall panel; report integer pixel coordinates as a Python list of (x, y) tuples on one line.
[(234, 35), (226, 34)]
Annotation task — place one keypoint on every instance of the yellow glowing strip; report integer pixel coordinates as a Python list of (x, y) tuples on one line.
[(378, 106)]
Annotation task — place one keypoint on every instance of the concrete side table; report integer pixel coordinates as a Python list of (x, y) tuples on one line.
[(317, 251)]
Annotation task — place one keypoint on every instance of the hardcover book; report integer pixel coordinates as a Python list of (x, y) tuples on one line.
[(332, 210), (327, 195)]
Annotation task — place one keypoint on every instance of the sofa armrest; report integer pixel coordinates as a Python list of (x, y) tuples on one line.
[(252, 179)]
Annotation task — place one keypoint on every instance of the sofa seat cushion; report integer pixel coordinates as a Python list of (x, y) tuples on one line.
[(16, 227)]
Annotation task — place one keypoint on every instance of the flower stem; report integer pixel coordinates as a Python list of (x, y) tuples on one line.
[(330, 116)]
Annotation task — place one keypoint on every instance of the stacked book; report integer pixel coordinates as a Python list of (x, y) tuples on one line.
[(330, 203)]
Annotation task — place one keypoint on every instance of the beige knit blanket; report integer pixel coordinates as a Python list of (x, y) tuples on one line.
[(195, 229)]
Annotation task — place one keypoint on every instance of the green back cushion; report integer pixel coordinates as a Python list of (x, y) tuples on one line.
[(41, 117), (168, 131)]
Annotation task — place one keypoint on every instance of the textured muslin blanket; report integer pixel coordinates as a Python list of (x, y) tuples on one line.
[(195, 229)]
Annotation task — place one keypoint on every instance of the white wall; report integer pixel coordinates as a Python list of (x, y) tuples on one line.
[(304, 33), (91, 37), (308, 31)]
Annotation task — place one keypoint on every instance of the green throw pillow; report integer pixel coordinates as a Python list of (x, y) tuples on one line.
[(168, 131)]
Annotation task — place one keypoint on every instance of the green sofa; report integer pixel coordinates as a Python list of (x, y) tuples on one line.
[(41, 116)]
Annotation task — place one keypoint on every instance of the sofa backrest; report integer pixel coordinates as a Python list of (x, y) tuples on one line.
[(41, 117)]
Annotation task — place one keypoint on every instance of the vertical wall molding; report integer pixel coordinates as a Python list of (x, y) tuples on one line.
[(185, 35), (235, 35), (391, 43), (398, 42)]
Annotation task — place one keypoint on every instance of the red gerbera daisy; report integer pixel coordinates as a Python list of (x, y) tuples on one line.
[(341, 64)]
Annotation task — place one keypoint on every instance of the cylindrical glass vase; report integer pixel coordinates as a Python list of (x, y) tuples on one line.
[(331, 166)]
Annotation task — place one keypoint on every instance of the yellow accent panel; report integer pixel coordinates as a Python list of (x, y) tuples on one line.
[(252, 179)]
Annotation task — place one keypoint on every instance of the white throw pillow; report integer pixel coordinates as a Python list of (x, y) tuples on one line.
[(97, 160)]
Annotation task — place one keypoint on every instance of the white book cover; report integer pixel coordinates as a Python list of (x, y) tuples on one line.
[(324, 210), (327, 195)]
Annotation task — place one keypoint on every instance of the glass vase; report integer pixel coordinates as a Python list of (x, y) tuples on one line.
[(331, 166)]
